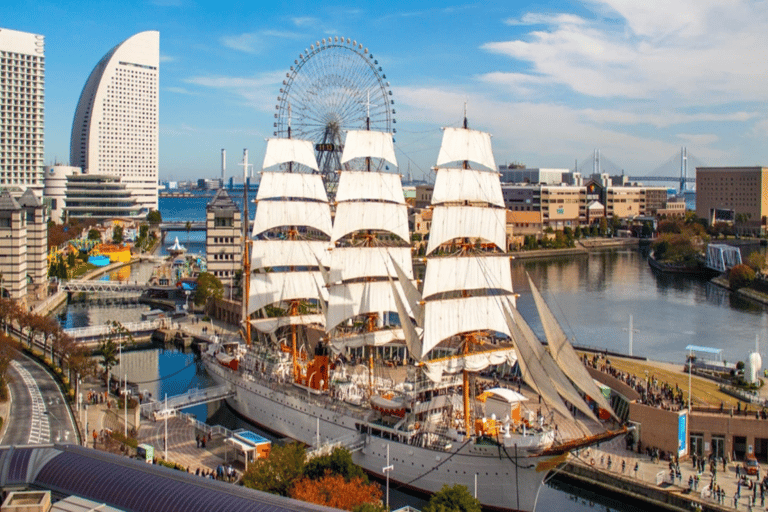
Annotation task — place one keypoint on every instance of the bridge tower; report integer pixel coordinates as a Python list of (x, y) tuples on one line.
[(683, 168)]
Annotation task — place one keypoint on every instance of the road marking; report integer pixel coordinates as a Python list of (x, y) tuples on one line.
[(40, 428)]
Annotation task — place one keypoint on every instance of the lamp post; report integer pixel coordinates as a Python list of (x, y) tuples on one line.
[(646, 385), (690, 397), (386, 469)]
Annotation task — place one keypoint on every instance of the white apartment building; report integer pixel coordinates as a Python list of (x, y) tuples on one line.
[(115, 129), (22, 117)]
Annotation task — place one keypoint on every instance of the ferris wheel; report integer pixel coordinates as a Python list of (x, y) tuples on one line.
[(334, 86)]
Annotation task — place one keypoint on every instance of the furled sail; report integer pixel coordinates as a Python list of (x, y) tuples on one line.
[(289, 253), (564, 354), (283, 185), (272, 324), (448, 317), (461, 144), (348, 263), (365, 143), (473, 362), (281, 151), (272, 287), (451, 222), (491, 272), (354, 216), (366, 339), (473, 185), (370, 186), (548, 377), (277, 213)]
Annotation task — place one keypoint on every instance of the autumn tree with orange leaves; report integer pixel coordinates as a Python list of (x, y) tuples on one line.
[(332, 490)]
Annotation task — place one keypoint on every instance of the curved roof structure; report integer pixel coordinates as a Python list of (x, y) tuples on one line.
[(130, 484), (115, 128)]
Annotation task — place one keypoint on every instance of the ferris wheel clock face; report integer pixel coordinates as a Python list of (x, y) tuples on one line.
[(334, 86)]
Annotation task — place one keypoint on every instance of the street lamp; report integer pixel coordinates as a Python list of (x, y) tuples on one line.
[(386, 469)]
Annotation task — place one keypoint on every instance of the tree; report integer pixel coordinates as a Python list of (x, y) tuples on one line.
[(453, 499), (646, 231), (740, 276), (603, 226), (94, 234), (339, 462), (334, 491), (188, 227), (117, 234), (577, 232), (208, 285), (277, 473), (154, 217), (9, 310), (8, 352), (49, 328), (111, 345), (756, 261)]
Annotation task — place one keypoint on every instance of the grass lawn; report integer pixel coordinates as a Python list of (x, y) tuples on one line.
[(81, 269), (705, 392)]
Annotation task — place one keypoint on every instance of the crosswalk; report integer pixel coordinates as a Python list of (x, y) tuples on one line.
[(40, 428)]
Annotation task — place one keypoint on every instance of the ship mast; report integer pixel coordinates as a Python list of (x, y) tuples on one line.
[(246, 276)]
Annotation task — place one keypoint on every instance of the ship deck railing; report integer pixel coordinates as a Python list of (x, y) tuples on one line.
[(352, 442)]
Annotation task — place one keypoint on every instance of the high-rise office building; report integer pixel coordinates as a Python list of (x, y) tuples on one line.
[(114, 131), (22, 118)]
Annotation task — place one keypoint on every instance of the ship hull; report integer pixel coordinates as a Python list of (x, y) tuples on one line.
[(504, 480)]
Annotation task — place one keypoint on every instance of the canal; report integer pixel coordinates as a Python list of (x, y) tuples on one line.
[(592, 296)]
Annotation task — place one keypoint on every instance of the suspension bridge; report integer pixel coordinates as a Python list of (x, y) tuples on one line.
[(678, 168)]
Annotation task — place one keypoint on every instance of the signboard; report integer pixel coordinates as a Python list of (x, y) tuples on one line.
[(682, 434)]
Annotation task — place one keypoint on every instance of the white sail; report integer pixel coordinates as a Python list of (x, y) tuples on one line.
[(412, 337), (373, 186), (467, 273), (349, 263), (473, 362), (273, 214), (461, 144), (450, 222), (289, 253), (546, 378), (272, 287), (366, 339), (411, 295), (364, 144), (360, 216), (281, 151), (353, 299), (270, 325), (452, 185), (564, 354), (446, 318), (281, 185)]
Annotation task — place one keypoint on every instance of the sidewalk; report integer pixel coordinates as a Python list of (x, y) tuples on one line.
[(657, 475)]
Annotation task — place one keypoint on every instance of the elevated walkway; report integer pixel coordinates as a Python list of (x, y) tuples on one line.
[(84, 285), (92, 335), (170, 407)]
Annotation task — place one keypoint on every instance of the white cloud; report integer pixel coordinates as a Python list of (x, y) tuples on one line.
[(539, 134), (692, 52), (257, 91), (166, 58), (179, 90), (256, 42), (698, 139)]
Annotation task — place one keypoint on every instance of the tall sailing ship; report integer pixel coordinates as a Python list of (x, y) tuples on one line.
[(350, 351)]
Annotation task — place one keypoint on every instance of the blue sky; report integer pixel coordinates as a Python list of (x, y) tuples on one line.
[(551, 80)]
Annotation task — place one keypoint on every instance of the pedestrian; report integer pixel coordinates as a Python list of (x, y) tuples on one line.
[(202, 442), (695, 482), (623, 466), (197, 438), (609, 463), (637, 466), (197, 472), (690, 483)]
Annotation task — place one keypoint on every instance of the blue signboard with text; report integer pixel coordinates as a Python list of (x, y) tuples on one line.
[(682, 434)]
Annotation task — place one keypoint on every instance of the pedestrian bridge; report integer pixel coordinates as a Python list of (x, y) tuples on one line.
[(84, 285), (722, 257), (169, 407), (94, 334)]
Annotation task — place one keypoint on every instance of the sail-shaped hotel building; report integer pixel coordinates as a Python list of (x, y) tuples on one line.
[(115, 129)]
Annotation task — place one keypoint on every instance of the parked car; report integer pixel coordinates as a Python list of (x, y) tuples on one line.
[(751, 466)]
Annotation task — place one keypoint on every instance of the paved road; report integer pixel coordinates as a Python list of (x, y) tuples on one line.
[(38, 412)]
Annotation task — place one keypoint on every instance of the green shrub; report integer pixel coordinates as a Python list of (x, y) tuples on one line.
[(740, 276)]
